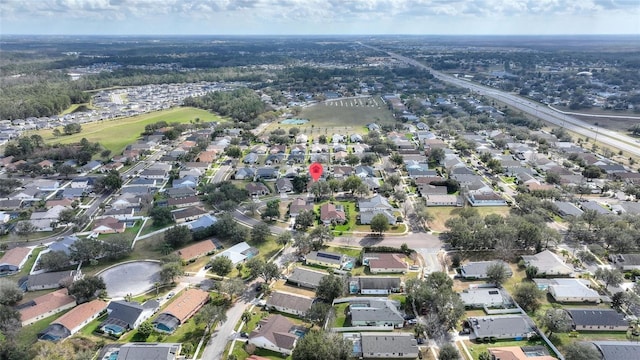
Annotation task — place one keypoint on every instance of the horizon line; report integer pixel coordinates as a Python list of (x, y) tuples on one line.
[(326, 35)]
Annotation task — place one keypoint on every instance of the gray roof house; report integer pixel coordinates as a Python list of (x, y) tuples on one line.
[(618, 350), (480, 297), (625, 262), (284, 185), (266, 173), (124, 315), (251, 158), (566, 209), (149, 351), (244, 174), (306, 277), (598, 320), (501, 327), (367, 216), (548, 263), (289, 303), (377, 202), (389, 346), (375, 285), (51, 280), (375, 312), (478, 269)]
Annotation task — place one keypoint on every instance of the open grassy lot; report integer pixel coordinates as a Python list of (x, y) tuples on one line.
[(241, 354), (442, 213), (115, 135), (345, 116)]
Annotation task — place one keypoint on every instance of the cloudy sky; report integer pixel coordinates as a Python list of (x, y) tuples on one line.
[(297, 17)]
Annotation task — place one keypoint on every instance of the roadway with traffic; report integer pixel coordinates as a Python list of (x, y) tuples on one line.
[(614, 139)]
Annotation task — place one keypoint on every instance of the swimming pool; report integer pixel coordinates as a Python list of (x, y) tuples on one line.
[(294, 121), (299, 333)]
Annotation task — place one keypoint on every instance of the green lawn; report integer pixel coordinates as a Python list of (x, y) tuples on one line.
[(341, 315), (28, 264), (353, 252), (29, 334), (115, 135), (241, 354)]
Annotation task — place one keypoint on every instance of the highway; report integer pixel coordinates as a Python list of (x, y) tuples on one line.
[(614, 139)]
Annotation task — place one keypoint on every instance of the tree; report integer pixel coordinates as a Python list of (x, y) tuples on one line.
[(330, 287), (531, 271), (379, 224), (10, 293), (351, 183), (54, 260), (352, 159), (111, 182), (66, 170), (233, 152), (299, 183), (497, 273), (393, 180), (272, 211), (161, 216), (116, 247), (581, 351), (211, 314), (319, 236), (610, 277), (556, 321), (105, 154), (304, 220), (232, 287), (284, 238), (86, 250), (260, 232), (528, 296), (318, 312), (436, 155), (320, 189), (321, 345), (448, 352), (252, 207), (177, 236), (87, 288), (170, 271), (46, 350), (592, 172), (145, 329), (259, 268), (221, 265), (66, 216), (397, 159), (362, 190), (10, 322), (25, 228), (72, 128)]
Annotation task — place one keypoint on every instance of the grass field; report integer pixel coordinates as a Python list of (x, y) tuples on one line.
[(442, 213), (345, 116), (115, 135)]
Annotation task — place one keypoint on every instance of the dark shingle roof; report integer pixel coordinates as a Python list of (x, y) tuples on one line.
[(597, 317)]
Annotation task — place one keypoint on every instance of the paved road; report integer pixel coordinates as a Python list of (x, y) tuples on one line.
[(214, 347), (611, 138), (415, 240)]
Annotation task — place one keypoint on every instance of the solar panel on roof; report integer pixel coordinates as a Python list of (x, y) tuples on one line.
[(329, 256)]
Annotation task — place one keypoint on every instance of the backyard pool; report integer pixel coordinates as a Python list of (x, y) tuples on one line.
[(294, 121)]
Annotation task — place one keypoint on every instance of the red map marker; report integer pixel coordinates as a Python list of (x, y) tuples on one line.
[(315, 170)]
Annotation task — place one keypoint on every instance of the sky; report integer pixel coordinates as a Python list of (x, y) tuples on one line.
[(319, 17)]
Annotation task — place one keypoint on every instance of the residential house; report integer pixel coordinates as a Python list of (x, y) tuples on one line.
[(342, 171), (356, 138), (548, 264), (284, 185), (81, 183), (64, 245), (389, 346), (567, 209), (14, 259), (618, 350), (11, 204), (520, 353), (91, 166), (485, 198), (326, 259), (44, 185), (244, 174), (302, 139), (45, 220), (375, 312), (26, 194), (375, 285), (180, 192), (306, 277), (239, 253), (598, 320), (180, 310), (122, 214), (266, 173), (274, 158), (73, 193), (478, 269), (300, 204), (257, 189), (625, 262), (150, 351), (384, 263), (51, 280), (480, 297), (514, 327), (124, 315), (289, 303), (569, 290), (443, 200), (206, 156), (278, 149), (44, 306), (275, 333), (108, 225), (199, 249), (184, 202), (331, 213), (71, 322), (202, 223), (188, 181), (188, 214), (295, 158), (251, 158)]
